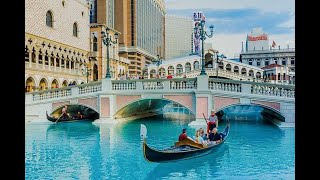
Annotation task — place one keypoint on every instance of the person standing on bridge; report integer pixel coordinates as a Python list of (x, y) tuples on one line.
[(212, 121)]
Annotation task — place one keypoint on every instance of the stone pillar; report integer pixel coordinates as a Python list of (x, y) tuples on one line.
[(246, 88), (30, 58), (203, 82), (139, 85), (69, 66), (74, 91), (55, 63), (37, 59), (49, 62), (106, 85), (65, 65), (166, 85), (43, 59), (60, 64)]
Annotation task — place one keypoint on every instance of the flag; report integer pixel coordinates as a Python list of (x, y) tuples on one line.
[(274, 44)]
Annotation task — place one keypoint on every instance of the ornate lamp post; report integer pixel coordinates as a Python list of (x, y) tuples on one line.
[(203, 34), (106, 39), (218, 61), (86, 71), (158, 62)]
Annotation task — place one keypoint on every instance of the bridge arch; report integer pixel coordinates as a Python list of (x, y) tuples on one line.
[(250, 112), (86, 110), (148, 105)]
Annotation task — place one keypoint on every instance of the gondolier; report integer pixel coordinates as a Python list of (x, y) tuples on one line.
[(212, 121)]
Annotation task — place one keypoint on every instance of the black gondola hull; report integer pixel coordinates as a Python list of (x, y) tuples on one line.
[(52, 119), (180, 153)]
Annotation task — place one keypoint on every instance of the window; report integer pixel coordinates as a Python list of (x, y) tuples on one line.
[(266, 63), (49, 19), (284, 63), (95, 44), (276, 62), (75, 29), (250, 62), (258, 63), (292, 62)]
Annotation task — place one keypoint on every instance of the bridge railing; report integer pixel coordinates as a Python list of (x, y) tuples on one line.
[(154, 84), (252, 87)]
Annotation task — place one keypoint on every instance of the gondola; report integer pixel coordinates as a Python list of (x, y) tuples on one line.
[(69, 119), (184, 149)]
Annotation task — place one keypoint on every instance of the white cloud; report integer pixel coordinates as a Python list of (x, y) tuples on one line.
[(290, 24), (266, 5), (230, 44)]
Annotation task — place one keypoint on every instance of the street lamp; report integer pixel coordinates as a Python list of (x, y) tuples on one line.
[(106, 39), (158, 62), (218, 61), (203, 34), (86, 71)]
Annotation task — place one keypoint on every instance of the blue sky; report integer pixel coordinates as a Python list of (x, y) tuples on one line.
[(233, 19)]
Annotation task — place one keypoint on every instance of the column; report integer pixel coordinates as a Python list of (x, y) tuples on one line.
[(65, 65), (30, 58), (55, 63), (43, 58), (49, 62), (60, 63), (37, 59), (69, 66)]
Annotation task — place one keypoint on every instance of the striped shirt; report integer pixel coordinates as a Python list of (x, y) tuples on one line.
[(213, 118)]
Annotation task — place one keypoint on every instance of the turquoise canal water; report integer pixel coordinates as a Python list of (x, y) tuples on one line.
[(80, 150)]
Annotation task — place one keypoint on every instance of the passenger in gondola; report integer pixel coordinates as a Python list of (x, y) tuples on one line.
[(183, 135), (202, 134), (78, 116), (214, 136), (199, 138)]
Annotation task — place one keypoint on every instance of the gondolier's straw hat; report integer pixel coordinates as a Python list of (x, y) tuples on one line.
[(213, 110)]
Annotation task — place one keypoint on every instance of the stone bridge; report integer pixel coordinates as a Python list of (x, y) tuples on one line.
[(115, 100)]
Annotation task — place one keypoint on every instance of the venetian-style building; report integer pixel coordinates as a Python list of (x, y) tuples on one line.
[(101, 18), (142, 27), (57, 43), (98, 55)]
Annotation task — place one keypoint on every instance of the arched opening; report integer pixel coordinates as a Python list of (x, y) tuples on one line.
[(165, 107), (162, 72), (220, 65), (30, 85), (236, 69), (179, 69), (75, 29), (43, 85), (228, 67), (250, 112), (65, 83), (171, 70), (243, 71), (26, 55), (153, 73), (188, 67), (251, 73), (54, 84), (49, 19), (95, 72), (95, 44), (74, 83), (196, 65), (208, 60), (258, 75), (73, 109)]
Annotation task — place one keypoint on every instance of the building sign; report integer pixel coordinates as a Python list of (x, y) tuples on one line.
[(258, 38), (197, 17)]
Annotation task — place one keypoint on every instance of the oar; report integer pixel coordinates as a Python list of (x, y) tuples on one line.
[(204, 117), (58, 118)]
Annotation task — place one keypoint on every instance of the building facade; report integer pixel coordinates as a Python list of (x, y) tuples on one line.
[(102, 12), (276, 73), (56, 43), (178, 36), (118, 65), (141, 23)]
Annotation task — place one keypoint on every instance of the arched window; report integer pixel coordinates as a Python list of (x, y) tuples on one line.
[(179, 69), (75, 29), (188, 67), (196, 65), (95, 44), (228, 67), (49, 19)]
